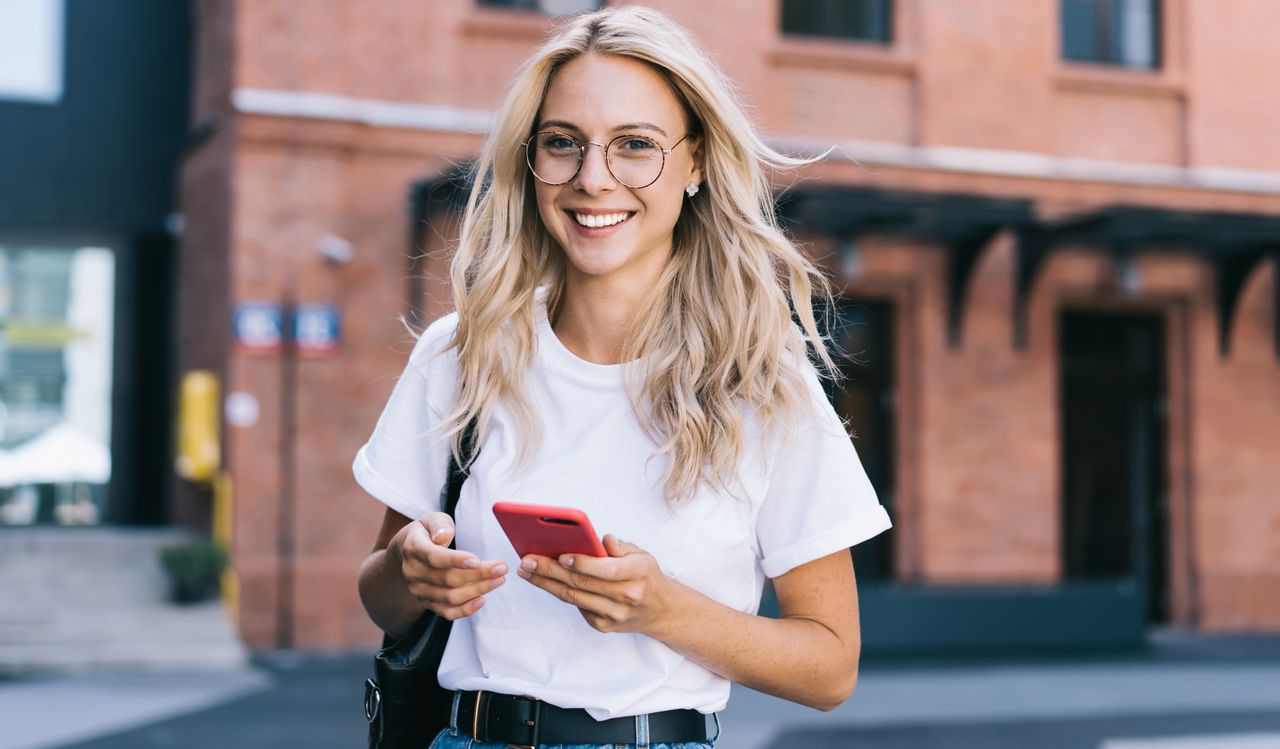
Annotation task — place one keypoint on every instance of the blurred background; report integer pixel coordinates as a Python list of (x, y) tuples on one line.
[(1054, 227)]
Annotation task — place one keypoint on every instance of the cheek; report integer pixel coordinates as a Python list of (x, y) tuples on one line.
[(546, 198), (662, 211)]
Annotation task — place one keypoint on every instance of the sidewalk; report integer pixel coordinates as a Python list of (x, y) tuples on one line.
[(1184, 693)]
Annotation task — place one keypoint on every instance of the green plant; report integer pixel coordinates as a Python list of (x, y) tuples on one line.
[(193, 569)]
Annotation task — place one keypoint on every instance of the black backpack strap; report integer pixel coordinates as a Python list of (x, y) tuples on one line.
[(458, 474)]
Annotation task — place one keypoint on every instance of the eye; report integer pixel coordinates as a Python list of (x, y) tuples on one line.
[(558, 142), (636, 144)]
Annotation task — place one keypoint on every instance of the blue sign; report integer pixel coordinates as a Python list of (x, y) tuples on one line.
[(257, 327), (317, 329)]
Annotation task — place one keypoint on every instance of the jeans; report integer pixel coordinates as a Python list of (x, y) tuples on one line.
[(451, 738)]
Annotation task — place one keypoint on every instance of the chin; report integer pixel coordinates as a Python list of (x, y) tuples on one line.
[(596, 264)]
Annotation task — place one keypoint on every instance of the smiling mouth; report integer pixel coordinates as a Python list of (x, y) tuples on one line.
[(600, 221)]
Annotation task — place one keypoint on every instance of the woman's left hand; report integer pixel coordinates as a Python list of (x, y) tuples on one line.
[(623, 592)]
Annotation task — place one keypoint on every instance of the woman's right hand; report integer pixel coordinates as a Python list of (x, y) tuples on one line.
[(451, 583)]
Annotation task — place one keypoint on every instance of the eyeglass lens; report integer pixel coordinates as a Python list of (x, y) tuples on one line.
[(633, 160)]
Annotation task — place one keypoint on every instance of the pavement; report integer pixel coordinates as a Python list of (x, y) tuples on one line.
[(1182, 692)]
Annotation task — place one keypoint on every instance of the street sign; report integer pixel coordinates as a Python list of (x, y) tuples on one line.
[(317, 329), (257, 327)]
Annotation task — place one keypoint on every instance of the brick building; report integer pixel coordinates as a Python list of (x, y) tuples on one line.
[(1055, 225)]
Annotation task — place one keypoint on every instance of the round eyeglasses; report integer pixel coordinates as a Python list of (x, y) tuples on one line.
[(635, 161)]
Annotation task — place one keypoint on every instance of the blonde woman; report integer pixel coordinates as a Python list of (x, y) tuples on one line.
[(624, 343)]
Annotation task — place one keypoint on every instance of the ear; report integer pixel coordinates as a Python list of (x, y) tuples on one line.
[(699, 159)]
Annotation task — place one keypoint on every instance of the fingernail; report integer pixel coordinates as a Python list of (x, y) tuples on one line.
[(566, 560), (499, 570), (471, 563), (479, 603), (522, 572), (497, 582), (529, 564)]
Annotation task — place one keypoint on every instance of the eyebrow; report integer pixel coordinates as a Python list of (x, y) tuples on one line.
[(629, 126)]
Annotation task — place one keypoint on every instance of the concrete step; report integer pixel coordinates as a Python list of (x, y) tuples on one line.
[(95, 599)]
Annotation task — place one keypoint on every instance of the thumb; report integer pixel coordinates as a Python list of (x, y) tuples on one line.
[(617, 547), (439, 526)]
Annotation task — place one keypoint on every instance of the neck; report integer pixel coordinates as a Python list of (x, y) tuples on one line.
[(596, 314)]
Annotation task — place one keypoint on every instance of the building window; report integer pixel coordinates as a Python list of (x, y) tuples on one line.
[(550, 7), (57, 342), (862, 20), (1112, 32), (31, 50)]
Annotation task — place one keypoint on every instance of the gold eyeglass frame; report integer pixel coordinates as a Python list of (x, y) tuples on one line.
[(582, 156)]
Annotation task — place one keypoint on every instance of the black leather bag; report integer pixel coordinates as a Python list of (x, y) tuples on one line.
[(404, 703)]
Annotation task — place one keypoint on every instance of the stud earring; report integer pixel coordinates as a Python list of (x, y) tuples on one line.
[(692, 189)]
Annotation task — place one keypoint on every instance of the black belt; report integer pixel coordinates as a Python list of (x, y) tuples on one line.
[(527, 722)]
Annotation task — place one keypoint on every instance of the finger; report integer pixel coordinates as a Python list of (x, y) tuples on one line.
[(457, 596), (454, 613), (550, 568), (613, 545), (603, 568), (439, 527), (442, 557), (456, 578), (619, 548), (582, 599)]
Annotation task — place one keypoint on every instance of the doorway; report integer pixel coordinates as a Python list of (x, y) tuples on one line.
[(1114, 436), (863, 336)]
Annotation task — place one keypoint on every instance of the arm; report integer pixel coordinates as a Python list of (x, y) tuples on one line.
[(412, 569), (809, 655)]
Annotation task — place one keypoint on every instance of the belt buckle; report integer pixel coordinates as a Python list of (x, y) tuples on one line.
[(537, 716)]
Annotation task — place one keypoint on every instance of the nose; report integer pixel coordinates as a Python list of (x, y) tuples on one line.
[(594, 176)]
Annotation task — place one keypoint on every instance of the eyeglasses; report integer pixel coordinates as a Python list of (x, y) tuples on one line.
[(634, 160)]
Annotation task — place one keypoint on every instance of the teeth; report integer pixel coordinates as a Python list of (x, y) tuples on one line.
[(608, 219)]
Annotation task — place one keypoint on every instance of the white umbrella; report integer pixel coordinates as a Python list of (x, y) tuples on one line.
[(59, 455)]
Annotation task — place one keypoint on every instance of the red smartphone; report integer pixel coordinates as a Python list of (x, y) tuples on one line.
[(548, 531)]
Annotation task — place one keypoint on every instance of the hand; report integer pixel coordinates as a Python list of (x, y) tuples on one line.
[(449, 582), (623, 592)]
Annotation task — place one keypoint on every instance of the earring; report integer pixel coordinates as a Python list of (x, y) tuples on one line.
[(692, 189)]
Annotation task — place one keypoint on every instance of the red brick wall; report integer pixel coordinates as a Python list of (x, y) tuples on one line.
[(977, 471)]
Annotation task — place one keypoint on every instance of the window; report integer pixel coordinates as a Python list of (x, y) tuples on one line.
[(863, 20), (31, 50), (1112, 32), (550, 7), (57, 333)]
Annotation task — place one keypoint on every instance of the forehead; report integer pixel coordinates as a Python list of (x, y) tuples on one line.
[(602, 91)]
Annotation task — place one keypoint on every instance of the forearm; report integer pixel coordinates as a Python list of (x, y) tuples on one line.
[(801, 660), (385, 594)]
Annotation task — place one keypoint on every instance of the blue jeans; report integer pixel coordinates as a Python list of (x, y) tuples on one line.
[(451, 738)]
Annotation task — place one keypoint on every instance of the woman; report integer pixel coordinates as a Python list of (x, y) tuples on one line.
[(625, 345)]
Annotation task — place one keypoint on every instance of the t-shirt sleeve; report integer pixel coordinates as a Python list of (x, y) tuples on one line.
[(404, 464), (819, 499)]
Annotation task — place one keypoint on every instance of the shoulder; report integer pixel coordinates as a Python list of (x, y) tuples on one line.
[(806, 415), (435, 339), (433, 357)]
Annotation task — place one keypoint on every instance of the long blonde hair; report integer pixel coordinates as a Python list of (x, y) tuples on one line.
[(716, 334)]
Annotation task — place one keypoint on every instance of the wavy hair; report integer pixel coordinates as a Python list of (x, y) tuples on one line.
[(716, 334)]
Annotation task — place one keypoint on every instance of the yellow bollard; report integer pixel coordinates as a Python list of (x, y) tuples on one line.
[(222, 534)]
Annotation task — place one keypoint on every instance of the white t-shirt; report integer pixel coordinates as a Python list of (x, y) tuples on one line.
[(807, 496)]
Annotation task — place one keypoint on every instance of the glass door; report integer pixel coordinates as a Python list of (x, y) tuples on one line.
[(57, 331)]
